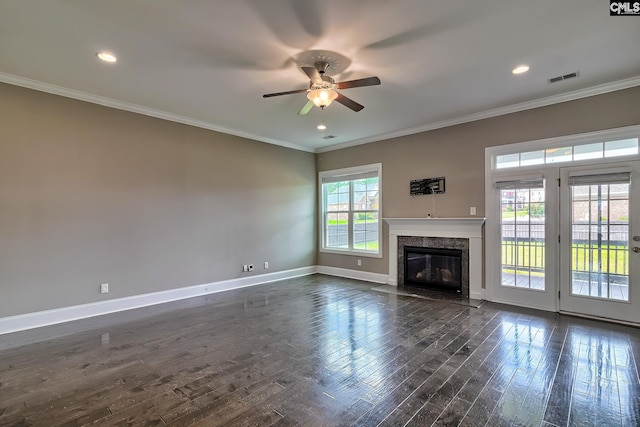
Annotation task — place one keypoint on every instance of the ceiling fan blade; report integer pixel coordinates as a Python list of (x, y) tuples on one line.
[(307, 107), (350, 103), (313, 74), (269, 95), (368, 81)]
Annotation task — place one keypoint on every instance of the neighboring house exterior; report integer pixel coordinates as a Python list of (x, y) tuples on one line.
[(366, 197)]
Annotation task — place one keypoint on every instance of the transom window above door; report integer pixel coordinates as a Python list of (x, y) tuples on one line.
[(569, 153)]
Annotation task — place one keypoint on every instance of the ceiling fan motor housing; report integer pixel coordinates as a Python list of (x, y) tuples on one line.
[(327, 83), (322, 66)]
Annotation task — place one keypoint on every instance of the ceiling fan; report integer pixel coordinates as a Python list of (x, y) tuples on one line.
[(323, 89)]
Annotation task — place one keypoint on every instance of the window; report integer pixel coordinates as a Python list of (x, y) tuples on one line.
[(573, 153), (350, 203)]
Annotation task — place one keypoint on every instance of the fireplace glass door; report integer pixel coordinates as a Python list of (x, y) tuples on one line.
[(433, 268)]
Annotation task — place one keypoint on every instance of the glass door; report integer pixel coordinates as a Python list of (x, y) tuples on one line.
[(600, 241), (522, 231), (525, 240)]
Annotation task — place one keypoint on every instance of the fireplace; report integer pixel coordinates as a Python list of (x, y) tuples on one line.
[(445, 269), (464, 234), (433, 268)]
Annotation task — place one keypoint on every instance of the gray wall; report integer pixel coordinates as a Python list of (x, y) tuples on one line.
[(457, 153), (90, 194)]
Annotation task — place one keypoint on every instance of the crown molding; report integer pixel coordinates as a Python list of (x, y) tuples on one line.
[(501, 111), (134, 108), (125, 106)]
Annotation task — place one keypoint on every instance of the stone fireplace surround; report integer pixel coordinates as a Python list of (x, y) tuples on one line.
[(404, 230)]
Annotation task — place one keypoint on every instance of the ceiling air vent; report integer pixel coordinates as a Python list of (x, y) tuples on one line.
[(329, 137), (565, 77)]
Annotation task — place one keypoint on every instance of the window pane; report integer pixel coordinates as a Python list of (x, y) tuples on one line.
[(588, 151), (523, 232), (532, 158), (625, 147), (556, 155), (337, 196), (365, 194), (600, 241), (508, 161), (337, 230), (365, 231)]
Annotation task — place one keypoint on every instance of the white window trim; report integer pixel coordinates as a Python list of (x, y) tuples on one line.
[(491, 153), (492, 174), (350, 171)]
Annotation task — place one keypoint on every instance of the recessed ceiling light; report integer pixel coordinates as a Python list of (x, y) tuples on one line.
[(520, 69), (321, 126), (106, 56)]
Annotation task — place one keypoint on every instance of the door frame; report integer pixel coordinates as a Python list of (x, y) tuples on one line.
[(492, 249), (621, 311)]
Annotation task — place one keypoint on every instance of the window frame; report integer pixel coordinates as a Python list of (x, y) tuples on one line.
[(349, 174), (571, 141)]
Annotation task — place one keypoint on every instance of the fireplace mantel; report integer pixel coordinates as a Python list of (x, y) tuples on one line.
[(466, 228)]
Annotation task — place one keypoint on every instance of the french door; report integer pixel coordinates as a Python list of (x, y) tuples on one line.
[(600, 241), (524, 239), (573, 248), (562, 231)]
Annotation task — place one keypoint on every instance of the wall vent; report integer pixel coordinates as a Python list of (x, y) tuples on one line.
[(565, 77), (329, 137)]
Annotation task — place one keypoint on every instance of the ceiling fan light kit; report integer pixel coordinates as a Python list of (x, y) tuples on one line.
[(322, 97), (323, 90)]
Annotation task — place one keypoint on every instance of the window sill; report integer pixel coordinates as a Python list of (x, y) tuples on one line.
[(351, 252)]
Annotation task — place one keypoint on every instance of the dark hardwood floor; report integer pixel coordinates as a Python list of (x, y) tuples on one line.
[(322, 351)]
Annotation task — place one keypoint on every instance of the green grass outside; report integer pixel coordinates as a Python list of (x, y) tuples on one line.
[(345, 221), (367, 246), (531, 255), (614, 258), (511, 215)]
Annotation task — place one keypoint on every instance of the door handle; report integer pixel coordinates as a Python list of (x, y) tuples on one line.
[(635, 249), (636, 238)]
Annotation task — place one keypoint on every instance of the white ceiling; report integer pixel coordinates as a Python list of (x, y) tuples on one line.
[(208, 62)]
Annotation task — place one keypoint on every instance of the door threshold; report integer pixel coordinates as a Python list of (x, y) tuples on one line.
[(603, 319)]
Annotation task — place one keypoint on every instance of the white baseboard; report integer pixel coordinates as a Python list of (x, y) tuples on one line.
[(477, 295), (66, 314), (353, 274)]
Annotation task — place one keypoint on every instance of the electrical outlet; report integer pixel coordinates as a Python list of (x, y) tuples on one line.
[(250, 267), (104, 288), (266, 265), (245, 267), (472, 210), (359, 263)]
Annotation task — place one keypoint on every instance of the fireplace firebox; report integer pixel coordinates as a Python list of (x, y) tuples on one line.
[(433, 268)]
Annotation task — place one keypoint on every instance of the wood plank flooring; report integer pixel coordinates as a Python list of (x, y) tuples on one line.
[(322, 351)]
